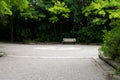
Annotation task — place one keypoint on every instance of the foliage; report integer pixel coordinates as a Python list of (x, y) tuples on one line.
[(117, 72), (47, 20), (4, 9), (2, 54), (7, 5), (58, 11), (33, 11), (90, 34), (111, 45), (102, 10), (115, 23)]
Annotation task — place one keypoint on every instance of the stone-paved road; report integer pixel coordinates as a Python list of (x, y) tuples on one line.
[(50, 62)]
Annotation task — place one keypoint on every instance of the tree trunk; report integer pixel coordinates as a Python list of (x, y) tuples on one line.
[(11, 28), (55, 30)]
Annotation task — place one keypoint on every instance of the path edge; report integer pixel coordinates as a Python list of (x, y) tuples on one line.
[(113, 65)]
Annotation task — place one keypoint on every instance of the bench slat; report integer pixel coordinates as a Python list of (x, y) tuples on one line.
[(69, 40)]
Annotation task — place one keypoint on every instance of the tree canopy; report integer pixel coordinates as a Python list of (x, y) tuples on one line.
[(51, 20), (58, 11), (103, 10), (7, 5)]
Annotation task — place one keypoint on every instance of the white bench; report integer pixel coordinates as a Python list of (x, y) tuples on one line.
[(69, 40)]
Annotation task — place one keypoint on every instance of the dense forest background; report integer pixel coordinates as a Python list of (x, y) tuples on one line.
[(53, 20)]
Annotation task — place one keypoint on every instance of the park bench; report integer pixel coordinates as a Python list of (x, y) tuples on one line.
[(69, 40)]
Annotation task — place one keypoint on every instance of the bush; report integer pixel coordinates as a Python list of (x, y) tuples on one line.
[(111, 45), (2, 54), (90, 34)]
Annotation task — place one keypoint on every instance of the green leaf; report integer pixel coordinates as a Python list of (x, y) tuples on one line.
[(58, 11)]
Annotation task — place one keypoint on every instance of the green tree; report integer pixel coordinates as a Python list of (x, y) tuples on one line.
[(34, 11), (6, 6), (9, 6), (58, 11), (102, 11)]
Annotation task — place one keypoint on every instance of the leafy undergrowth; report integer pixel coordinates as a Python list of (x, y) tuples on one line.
[(2, 54)]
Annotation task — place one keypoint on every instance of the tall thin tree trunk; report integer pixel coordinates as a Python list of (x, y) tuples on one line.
[(55, 30), (11, 28)]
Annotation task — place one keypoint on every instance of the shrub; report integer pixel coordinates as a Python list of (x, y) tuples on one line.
[(2, 54), (90, 34), (111, 45)]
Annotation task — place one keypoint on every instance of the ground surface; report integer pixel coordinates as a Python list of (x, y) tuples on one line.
[(51, 62)]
